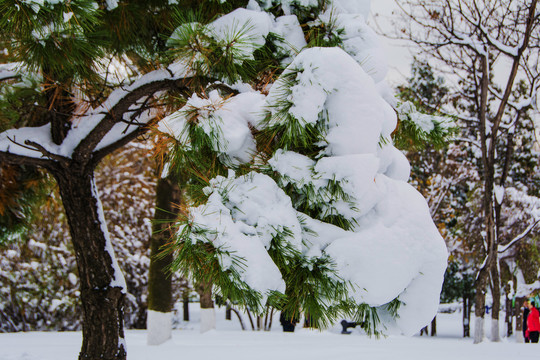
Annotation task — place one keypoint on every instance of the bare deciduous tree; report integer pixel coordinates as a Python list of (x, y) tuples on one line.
[(490, 51)]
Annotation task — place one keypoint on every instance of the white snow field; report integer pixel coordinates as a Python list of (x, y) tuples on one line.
[(230, 342)]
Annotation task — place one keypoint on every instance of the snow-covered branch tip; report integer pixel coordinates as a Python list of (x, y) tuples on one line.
[(32, 145), (502, 248), (511, 51), (9, 71)]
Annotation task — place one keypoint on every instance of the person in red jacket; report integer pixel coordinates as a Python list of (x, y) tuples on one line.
[(533, 322)]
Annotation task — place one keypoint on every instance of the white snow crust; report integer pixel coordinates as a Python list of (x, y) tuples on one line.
[(208, 320), (225, 121), (272, 345), (118, 279)]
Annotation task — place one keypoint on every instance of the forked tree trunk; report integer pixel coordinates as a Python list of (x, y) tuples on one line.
[(102, 284)]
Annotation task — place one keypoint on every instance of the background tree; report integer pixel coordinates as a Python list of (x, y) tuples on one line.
[(468, 40), (160, 286)]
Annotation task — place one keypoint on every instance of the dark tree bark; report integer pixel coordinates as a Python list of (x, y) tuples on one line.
[(466, 316), (239, 318), (519, 315), (434, 326), (185, 301), (509, 318), (205, 293), (102, 290), (168, 197)]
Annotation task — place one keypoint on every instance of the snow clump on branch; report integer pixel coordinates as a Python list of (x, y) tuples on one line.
[(333, 189)]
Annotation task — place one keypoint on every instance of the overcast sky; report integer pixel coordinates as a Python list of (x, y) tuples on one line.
[(398, 55)]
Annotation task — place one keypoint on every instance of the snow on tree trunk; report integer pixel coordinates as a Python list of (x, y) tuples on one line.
[(480, 304), (495, 309), (159, 325), (102, 284), (208, 319), (495, 332), (479, 334), (208, 314), (520, 320)]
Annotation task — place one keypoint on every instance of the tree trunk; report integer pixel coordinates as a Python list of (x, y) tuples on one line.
[(495, 310), (520, 338), (208, 315), (434, 326), (250, 319), (509, 317), (160, 300), (185, 304), (239, 318), (102, 284), (480, 304), (483, 275), (466, 316)]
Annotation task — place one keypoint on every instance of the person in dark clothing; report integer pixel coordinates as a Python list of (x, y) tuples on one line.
[(525, 315), (287, 323), (345, 324)]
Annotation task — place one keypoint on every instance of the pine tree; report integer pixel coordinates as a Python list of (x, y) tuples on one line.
[(77, 55), (276, 213)]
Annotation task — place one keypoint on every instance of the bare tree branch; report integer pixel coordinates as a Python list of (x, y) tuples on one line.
[(527, 231), (83, 152)]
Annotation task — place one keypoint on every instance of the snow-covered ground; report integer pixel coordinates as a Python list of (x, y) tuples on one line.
[(229, 342)]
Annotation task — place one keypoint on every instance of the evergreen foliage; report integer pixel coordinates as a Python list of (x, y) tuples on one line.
[(420, 122), (199, 152)]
